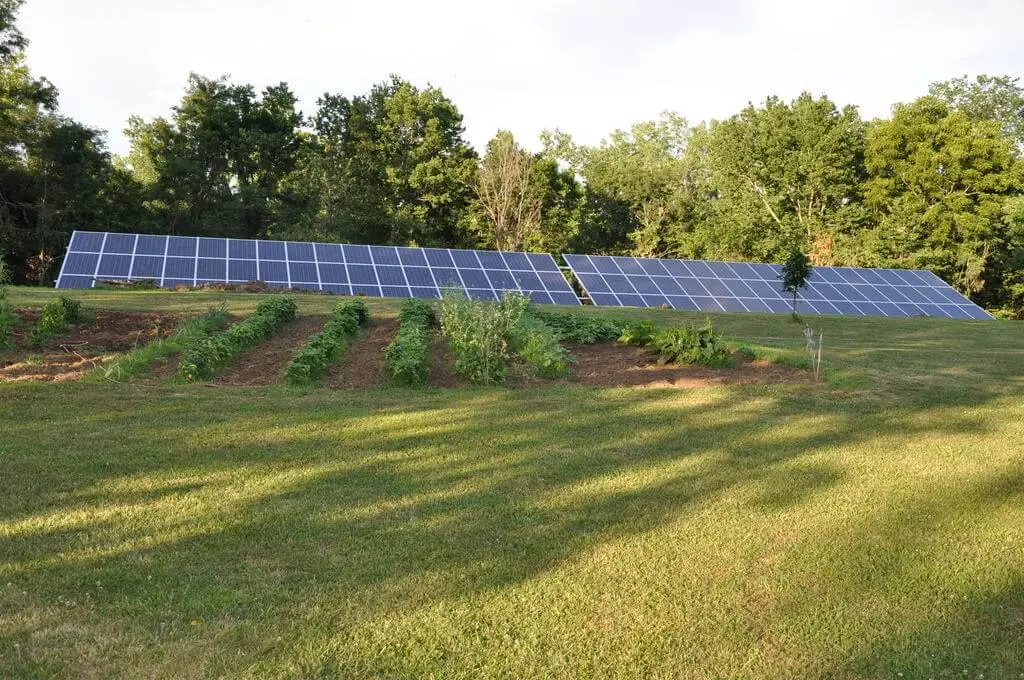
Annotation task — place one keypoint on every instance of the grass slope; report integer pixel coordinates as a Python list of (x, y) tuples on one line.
[(866, 528)]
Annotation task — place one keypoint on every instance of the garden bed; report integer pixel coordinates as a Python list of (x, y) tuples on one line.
[(363, 365), (613, 364), (72, 354), (264, 364)]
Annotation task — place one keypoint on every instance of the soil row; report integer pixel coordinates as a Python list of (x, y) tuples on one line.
[(607, 364)]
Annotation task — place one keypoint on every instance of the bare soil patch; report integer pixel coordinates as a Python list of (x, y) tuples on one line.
[(613, 364), (363, 363), (264, 364), (74, 353), (442, 365)]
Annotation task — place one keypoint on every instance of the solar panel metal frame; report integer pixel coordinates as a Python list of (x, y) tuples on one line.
[(716, 286), (346, 269)]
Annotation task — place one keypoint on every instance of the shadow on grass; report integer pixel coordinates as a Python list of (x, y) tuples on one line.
[(255, 507)]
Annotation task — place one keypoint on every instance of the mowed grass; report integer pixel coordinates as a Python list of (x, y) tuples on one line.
[(865, 528)]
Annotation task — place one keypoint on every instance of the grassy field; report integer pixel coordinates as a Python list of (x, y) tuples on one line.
[(866, 528)]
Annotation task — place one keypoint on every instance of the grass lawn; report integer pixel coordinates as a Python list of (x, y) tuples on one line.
[(866, 528)]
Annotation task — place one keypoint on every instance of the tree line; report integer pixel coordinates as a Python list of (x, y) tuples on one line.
[(937, 185)]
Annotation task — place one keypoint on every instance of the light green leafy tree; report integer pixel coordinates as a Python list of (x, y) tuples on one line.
[(937, 186), (784, 173), (997, 98)]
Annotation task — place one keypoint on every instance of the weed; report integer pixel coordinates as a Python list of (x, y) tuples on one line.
[(691, 345), (478, 333), (639, 333), (584, 330)]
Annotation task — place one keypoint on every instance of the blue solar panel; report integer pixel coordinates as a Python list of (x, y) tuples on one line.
[(753, 287), (344, 269)]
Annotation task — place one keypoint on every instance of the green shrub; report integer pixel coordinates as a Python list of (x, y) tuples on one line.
[(408, 357), (478, 333), (74, 313), (579, 328), (323, 350), (51, 323), (534, 341), (689, 345), (639, 333), (203, 355), (418, 312)]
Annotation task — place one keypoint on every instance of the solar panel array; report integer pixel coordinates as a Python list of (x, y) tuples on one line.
[(745, 287), (376, 271)]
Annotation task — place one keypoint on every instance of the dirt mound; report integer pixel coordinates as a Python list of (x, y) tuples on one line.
[(265, 363)]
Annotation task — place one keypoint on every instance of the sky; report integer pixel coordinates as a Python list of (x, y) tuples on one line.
[(585, 66)]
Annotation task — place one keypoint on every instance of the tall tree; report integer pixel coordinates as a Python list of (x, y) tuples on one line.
[(996, 98), (507, 194), (409, 166), (937, 189), (784, 173), (641, 169), (216, 166)]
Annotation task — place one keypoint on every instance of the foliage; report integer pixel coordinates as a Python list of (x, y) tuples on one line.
[(579, 328), (408, 356), (537, 344), (478, 333), (938, 184), (74, 313), (784, 173), (192, 330), (507, 194), (993, 98), (795, 272), (691, 345), (202, 356), (638, 333), (323, 350)]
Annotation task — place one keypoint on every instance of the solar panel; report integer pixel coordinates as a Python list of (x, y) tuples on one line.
[(745, 287), (346, 269)]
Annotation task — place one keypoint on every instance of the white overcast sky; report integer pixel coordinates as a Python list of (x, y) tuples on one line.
[(586, 66)]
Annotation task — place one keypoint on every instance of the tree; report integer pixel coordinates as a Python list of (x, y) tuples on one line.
[(216, 166), (937, 186), (995, 98), (507, 194), (795, 272), (784, 173)]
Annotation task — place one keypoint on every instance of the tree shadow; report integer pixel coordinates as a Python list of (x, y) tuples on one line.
[(219, 508)]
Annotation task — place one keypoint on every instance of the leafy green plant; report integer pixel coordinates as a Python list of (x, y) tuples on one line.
[(74, 313), (638, 333), (579, 328), (51, 323), (202, 356), (795, 272), (535, 341), (142, 359), (408, 356), (323, 350), (478, 333), (691, 345)]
